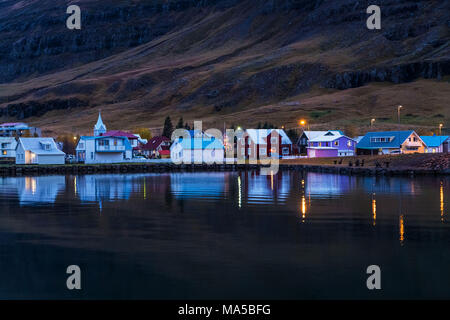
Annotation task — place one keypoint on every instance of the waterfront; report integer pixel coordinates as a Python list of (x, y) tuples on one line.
[(215, 235)]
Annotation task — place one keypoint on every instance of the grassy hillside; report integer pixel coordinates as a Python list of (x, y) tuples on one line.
[(239, 62)]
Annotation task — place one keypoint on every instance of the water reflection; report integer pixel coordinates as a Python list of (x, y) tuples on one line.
[(374, 209), (402, 229), (34, 190), (193, 232), (247, 189), (441, 197)]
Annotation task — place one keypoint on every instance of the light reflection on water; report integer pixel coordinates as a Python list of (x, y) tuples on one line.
[(216, 235)]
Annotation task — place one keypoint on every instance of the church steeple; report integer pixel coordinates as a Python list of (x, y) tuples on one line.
[(99, 128)]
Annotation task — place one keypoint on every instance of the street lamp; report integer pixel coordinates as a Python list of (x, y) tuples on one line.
[(398, 112), (303, 123), (371, 122), (440, 128)]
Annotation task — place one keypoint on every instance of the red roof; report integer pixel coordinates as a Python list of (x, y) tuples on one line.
[(155, 142), (118, 133)]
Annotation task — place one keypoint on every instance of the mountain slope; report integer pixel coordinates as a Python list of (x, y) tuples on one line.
[(221, 60)]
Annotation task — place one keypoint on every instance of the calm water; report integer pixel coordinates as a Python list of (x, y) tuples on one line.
[(224, 235)]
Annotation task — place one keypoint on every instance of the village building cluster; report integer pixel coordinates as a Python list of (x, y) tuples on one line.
[(25, 145)]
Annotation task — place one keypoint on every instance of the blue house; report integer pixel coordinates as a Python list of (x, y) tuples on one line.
[(197, 150), (391, 142)]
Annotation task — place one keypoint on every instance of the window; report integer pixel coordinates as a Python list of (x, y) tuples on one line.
[(92, 155), (336, 143), (274, 140), (243, 142), (349, 143), (381, 139), (262, 151), (4, 152), (249, 151), (81, 145), (286, 150)]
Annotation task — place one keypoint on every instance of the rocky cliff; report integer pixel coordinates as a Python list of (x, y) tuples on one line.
[(221, 55)]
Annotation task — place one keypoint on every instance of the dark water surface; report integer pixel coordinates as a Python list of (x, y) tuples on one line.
[(224, 235)]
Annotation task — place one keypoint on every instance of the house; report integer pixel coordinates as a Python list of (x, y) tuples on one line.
[(157, 147), (436, 144), (38, 151), (331, 145), (391, 142), (303, 140), (18, 129), (258, 143), (197, 150), (103, 149), (134, 139), (7, 147)]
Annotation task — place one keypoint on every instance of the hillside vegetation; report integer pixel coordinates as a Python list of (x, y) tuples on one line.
[(232, 61)]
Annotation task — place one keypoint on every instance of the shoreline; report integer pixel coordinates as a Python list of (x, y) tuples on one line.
[(121, 168)]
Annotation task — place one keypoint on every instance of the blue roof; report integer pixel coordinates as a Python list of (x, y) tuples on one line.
[(434, 141), (396, 139), (204, 143)]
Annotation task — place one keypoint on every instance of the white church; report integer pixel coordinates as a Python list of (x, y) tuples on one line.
[(101, 148)]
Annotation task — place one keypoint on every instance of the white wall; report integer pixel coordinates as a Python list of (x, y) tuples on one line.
[(51, 159), (20, 155), (106, 157)]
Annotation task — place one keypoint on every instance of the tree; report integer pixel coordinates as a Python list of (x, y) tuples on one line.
[(168, 128), (26, 134), (292, 134), (145, 133), (180, 124), (350, 131), (69, 143)]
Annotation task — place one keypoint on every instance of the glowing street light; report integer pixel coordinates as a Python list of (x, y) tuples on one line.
[(371, 122), (398, 112), (303, 122), (440, 128)]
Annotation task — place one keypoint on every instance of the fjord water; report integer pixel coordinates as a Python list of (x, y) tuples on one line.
[(224, 235)]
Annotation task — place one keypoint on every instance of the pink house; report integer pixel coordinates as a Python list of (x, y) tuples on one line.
[(331, 145)]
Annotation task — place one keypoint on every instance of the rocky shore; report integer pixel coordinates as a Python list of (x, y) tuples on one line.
[(34, 170)]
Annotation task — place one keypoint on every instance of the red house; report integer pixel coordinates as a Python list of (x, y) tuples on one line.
[(258, 143), (157, 147)]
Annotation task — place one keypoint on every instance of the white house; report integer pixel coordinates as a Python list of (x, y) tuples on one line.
[(38, 151), (197, 150), (104, 149), (8, 147), (436, 144)]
